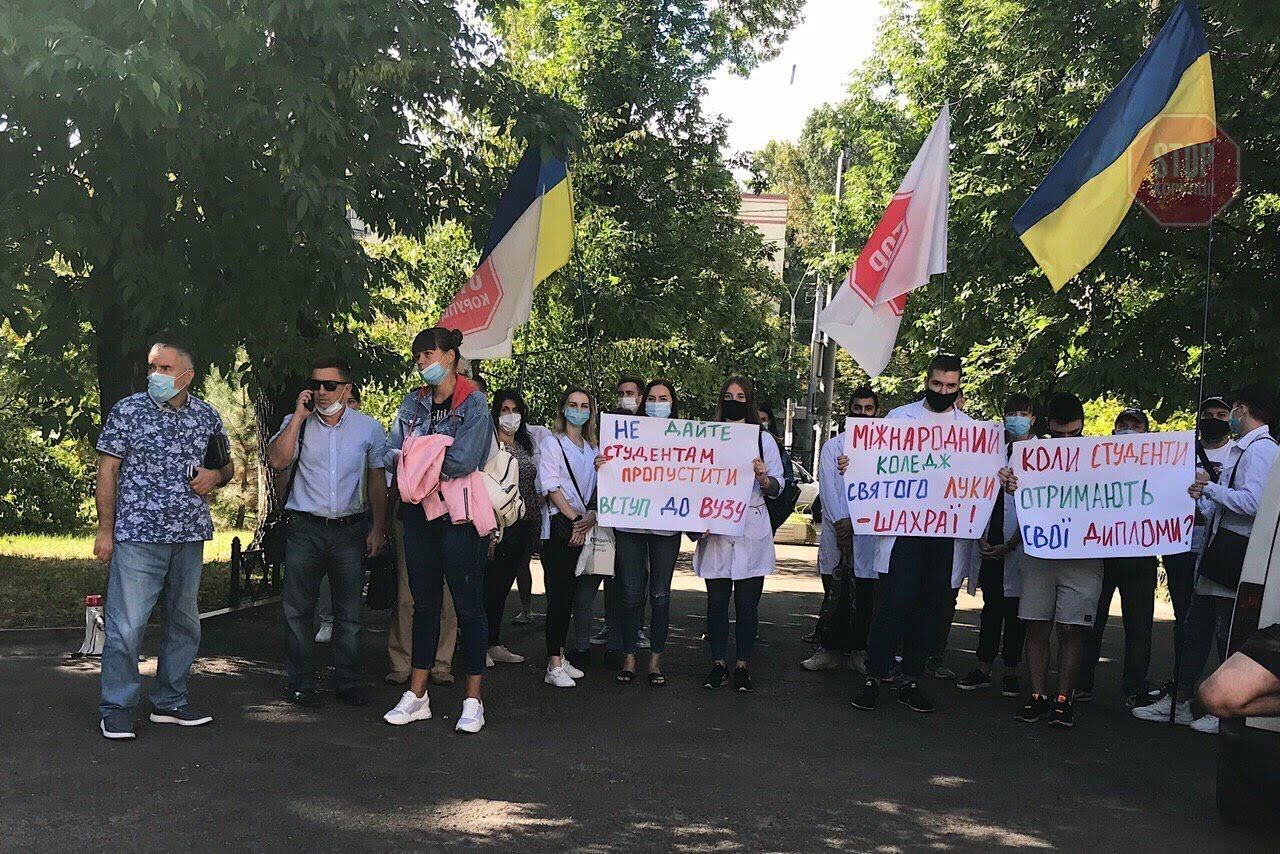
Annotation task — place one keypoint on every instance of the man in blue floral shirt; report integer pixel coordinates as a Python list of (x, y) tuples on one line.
[(153, 520)]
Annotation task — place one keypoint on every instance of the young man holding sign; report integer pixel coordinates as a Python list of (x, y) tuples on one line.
[(916, 572), (1057, 590)]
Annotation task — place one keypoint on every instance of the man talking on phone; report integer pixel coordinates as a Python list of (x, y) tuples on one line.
[(153, 521), (335, 515)]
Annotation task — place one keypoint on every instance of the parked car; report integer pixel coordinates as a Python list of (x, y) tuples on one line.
[(808, 487), (1248, 785)]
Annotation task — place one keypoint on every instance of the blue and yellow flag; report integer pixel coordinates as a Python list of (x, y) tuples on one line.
[(531, 237), (1165, 102)]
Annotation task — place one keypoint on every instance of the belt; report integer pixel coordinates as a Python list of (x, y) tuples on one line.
[(340, 522)]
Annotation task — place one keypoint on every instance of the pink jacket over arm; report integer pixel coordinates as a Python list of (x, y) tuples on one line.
[(465, 500)]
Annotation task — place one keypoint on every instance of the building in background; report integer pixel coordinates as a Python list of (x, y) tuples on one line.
[(768, 213)]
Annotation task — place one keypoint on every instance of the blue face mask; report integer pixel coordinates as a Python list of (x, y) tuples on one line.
[(433, 374), (657, 408), (162, 387), (1234, 423), (577, 417), (1018, 425)]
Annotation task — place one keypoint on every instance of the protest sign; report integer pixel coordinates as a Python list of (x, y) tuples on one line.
[(1113, 496), (908, 478), (665, 474)]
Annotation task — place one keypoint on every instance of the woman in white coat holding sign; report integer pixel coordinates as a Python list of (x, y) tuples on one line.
[(735, 567)]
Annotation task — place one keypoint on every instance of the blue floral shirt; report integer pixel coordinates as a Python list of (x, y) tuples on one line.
[(156, 445)]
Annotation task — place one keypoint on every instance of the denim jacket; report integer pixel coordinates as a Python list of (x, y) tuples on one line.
[(470, 425)]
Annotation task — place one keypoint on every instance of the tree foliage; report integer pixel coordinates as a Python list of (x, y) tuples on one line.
[(1023, 78)]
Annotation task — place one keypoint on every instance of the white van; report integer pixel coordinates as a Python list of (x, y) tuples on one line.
[(1249, 756)]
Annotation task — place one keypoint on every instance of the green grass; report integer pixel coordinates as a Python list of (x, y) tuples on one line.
[(44, 578)]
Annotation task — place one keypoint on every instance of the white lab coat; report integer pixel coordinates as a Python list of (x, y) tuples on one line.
[(835, 506), (966, 559), (749, 554)]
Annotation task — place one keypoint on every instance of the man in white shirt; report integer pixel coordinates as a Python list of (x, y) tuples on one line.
[(1201, 608), (1239, 686), (916, 573), (837, 542)]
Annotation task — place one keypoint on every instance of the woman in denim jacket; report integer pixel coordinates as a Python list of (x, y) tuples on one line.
[(437, 550)]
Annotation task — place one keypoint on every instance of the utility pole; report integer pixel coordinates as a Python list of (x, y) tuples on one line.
[(828, 348)]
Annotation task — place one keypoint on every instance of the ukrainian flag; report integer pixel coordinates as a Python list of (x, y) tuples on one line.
[(1165, 102), (531, 237)]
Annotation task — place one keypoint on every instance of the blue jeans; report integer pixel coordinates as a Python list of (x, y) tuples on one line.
[(584, 599), (314, 552), (745, 593), (645, 560), (911, 592), (434, 551), (138, 572)]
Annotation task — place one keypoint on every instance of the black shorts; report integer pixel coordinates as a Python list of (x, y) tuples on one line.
[(1263, 646)]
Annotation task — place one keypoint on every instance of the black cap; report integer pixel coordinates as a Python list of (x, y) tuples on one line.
[(1216, 402)]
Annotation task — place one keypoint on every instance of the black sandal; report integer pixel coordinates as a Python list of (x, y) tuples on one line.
[(657, 680), (625, 676)]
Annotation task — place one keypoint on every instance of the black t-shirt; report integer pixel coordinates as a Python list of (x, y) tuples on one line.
[(440, 411)]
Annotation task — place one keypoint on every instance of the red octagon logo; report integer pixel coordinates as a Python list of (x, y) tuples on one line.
[(1189, 186), (472, 310)]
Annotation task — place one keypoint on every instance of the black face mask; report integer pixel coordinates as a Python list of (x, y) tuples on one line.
[(1214, 429), (939, 402), (733, 410)]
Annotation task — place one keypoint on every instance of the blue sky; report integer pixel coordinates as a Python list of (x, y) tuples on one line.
[(834, 38)]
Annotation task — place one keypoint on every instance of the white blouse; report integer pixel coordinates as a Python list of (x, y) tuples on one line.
[(554, 475), (750, 554)]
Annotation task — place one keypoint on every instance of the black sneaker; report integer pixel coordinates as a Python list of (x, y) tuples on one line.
[(1010, 686), (742, 680), (352, 696), (307, 698), (975, 680), (181, 716), (1141, 698), (812, 637), (1035, 709), (913, 698), (1064, 714), (117, 726), (1082, 695), (866, 697), (716, 678)]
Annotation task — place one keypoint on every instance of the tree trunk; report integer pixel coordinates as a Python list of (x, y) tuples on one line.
[(270, 404), (121, 368)]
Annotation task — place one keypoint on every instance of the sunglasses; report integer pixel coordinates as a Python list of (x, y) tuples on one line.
[(327, 385)]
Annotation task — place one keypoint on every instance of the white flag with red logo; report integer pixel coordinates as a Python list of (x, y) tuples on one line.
[(906, 248)]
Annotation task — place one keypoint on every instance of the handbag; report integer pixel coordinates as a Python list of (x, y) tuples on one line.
[(835, 620), (598, 552), (1223, 558), (782, 505), (273, 528), (561, 527), (381, 592), (217, 454)]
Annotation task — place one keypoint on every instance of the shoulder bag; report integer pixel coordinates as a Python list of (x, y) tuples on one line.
[(1223, 558), (273, 529)]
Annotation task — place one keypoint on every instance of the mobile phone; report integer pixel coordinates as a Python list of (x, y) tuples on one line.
[(311, 403), (192, 471)]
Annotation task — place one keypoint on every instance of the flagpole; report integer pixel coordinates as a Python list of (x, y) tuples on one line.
[(582, 305)]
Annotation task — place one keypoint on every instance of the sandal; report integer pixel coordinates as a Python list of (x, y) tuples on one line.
[(657, 680), (625, 676)]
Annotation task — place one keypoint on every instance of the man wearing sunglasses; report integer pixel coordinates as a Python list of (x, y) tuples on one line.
[(1055, 590), (335, 517)]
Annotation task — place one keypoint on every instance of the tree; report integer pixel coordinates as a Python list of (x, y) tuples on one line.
[(192, 164), (1023, 78), (669, 282)]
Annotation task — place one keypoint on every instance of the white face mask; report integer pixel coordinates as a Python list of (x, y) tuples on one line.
[(509, 422), (332, 409), (629, 403)]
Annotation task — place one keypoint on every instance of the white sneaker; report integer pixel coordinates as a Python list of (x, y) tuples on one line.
[(1158, 712), (642, 640), (325, 634), (1207, 724), (567, 667), (410, 708), (503, 655), (559, 677), (472, 717), (822, 660)]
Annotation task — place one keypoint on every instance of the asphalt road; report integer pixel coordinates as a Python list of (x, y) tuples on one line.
[(599, 768)]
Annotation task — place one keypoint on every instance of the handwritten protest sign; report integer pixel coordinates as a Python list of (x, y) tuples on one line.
[(907, 478), (664, 474), (1118, 496)]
